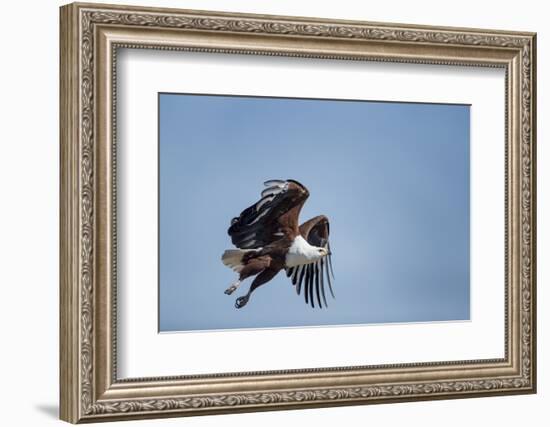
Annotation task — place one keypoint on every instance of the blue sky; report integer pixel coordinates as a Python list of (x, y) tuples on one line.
[(393, 178)]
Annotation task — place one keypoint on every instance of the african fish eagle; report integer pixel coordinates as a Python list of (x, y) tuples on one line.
[(269, 240)]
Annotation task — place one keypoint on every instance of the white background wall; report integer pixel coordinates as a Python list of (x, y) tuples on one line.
[(29, 171)]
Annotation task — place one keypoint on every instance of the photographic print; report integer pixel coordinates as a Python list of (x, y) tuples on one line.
[(292, 212)]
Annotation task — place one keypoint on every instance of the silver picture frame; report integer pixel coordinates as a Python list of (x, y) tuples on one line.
[(90, 37)]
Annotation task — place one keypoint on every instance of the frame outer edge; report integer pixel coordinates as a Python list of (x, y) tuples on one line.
[(69, 313), (290, 18), (533, 112), (77, 339)]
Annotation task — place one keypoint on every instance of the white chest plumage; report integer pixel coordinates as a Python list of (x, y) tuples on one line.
[(300, 253)]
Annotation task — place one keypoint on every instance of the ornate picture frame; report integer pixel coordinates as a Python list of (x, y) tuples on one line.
[(90, 37)]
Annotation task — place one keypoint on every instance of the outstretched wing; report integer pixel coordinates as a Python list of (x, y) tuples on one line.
[(312, 276), (273, 217)]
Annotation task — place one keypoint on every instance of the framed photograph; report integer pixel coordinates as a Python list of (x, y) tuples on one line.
[(267, 212)]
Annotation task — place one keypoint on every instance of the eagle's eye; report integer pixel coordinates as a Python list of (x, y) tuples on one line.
[(320, 251)]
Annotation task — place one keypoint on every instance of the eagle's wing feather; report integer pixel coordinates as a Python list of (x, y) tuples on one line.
[(316, 232), (273, 217)]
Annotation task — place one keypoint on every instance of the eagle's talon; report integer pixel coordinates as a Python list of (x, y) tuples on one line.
[(230, 290), (241, 302)]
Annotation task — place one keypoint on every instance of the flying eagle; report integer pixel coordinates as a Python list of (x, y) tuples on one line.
[(269, 240)]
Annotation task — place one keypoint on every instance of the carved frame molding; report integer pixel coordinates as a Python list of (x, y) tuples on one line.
[(90, 36)]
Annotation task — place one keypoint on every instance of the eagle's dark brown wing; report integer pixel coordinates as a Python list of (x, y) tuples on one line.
[(312, 276), (273, 217)]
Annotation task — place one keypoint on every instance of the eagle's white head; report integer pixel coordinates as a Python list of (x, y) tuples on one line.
[(321, 252), (301, 252)]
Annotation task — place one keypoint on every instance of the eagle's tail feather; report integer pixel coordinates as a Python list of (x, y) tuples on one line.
[(233, 258)]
